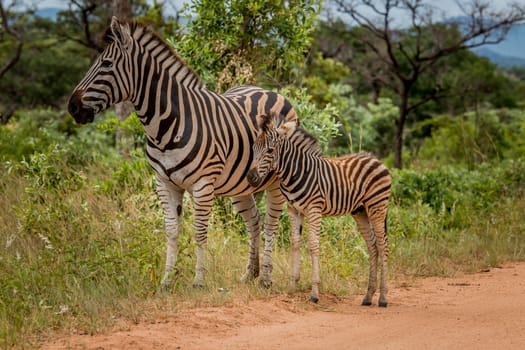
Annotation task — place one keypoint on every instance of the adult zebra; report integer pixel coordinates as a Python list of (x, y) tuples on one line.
[(197, 141), (315, 185)]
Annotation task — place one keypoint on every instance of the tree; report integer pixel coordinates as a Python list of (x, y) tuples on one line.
[(397, 58), (85, 21), (122, 10), (237, 41), (11, 27)]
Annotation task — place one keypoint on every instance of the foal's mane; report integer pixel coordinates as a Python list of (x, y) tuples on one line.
[(272, 121)]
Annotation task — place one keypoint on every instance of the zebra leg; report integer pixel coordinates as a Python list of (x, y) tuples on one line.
[(296, 223), (202, 203), (171, 198), (378, 220), (314, 227), (368, 234), (274, 205), (246, 207)]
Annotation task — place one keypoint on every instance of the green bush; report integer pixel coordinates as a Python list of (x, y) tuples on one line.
[(453, 189), (473, 138), (42, 131)]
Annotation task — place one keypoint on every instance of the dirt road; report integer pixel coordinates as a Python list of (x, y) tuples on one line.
[(480, 311)]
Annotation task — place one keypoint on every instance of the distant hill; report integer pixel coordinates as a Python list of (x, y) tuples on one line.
[(49, 12), (499, 59), (510, 52)]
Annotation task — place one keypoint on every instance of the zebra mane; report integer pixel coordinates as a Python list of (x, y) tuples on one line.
[(308, 142), (139, 30)]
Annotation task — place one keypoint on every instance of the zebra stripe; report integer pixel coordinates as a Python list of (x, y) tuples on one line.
[(197, 140), (317, 186)]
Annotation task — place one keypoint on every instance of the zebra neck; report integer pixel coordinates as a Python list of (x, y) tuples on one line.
[(157, 73), (297, 166)]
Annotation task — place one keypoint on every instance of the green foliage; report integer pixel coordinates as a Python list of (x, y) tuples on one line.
[(453, 191), (474, 137), (320, 122), (130, 129), (362, 127), (40, 78), (42, 131), (242, 42)]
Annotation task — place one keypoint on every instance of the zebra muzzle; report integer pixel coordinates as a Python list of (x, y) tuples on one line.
[(76, 108), (253, 178)]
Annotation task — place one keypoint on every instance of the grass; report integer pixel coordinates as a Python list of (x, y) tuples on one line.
[(82, 247)]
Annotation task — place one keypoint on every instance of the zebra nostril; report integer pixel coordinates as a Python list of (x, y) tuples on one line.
[(73, 108), (82, 114), (75, 103)]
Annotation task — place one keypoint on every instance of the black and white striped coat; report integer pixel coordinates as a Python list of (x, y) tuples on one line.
[(316, 186), (197, 140)]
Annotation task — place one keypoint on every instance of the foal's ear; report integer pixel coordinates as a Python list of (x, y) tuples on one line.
[(265, 122), (120, 32), (286, 129)]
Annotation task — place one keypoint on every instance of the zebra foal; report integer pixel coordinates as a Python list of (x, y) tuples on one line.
[(316, 186), (198, 141)]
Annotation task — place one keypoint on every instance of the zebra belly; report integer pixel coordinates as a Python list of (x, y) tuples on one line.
[(173, 166), (225, 182)]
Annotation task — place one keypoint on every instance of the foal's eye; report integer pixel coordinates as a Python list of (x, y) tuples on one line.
[(107, 63)]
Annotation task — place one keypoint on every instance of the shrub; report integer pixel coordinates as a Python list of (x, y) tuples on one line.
[(42, 131)]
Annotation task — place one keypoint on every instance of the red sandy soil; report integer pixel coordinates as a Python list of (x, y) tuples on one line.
[(479, 311)]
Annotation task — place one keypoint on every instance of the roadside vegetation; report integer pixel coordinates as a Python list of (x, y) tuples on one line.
[(82, 238)]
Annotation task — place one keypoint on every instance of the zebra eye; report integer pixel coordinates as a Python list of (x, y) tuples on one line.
[(107, 64)]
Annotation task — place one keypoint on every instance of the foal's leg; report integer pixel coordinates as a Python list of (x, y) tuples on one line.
[(378, 221), (296, 222), (368, 234), (274, 205), (314, 227)]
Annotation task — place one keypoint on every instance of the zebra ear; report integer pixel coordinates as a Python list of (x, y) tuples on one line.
[(286, 129), (120, 32)]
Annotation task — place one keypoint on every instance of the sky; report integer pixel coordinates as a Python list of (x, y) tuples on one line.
[(450, 6)]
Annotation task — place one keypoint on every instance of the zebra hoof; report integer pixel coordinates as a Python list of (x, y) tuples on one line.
[(165, 285), (366, 303), (163, 289), (264, 283), (314, 299), (247, 278), (198, 285), (382, 304)]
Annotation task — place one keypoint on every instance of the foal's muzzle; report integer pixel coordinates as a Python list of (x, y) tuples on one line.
[(253, 177)]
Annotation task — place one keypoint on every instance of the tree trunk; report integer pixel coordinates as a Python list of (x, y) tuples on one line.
[(122, 10), (398, 147)]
